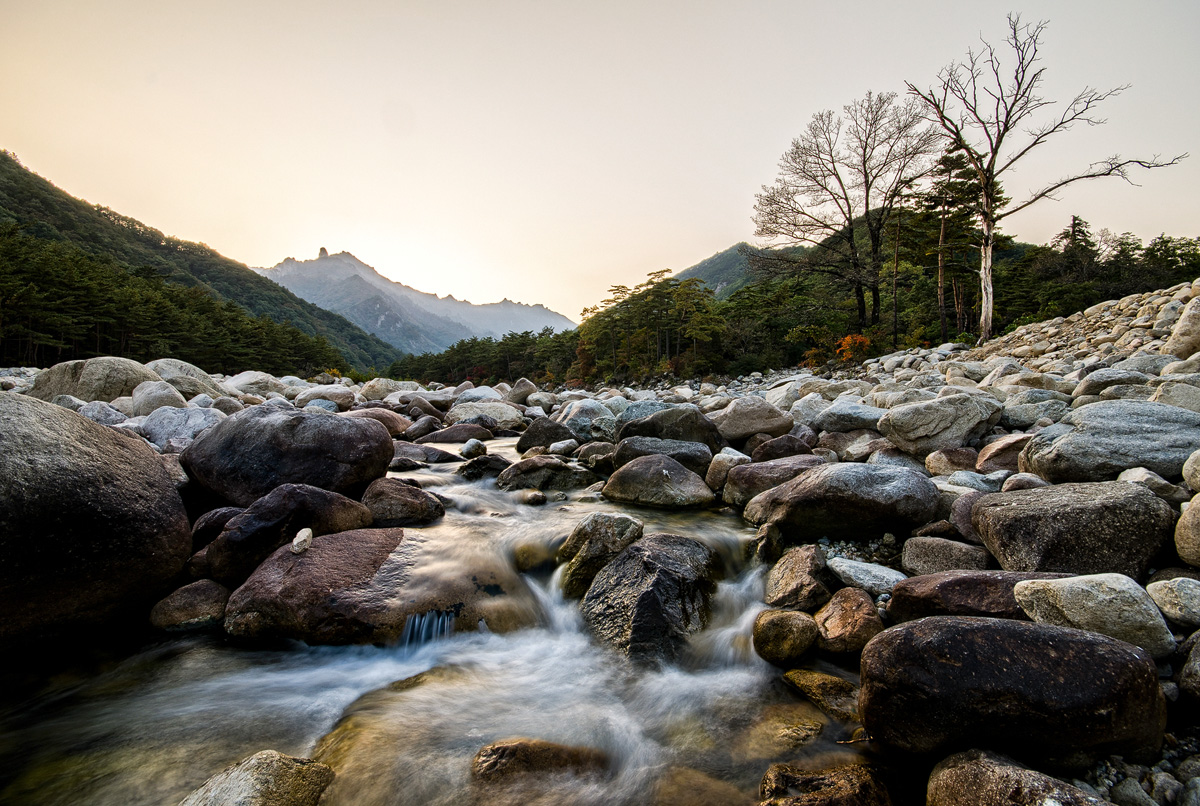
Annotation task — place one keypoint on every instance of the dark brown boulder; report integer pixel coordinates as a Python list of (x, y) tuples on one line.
[(503, 759), (780, 447), (746, 481), (197, 606), (463, 432), (960, 593), (944, 683), (654, 594), (425, 425), (695, 456), (250, 453), (782, 637), (1107, 527), (980, 778), (489, 464), (845, 500), (396, 424), (92, 529), (658, 481), (852, 785), (800, 580), (543, 432), (544, 473), (272, 521), (847, 622), (835, 696), (394, 503), (210, 524)]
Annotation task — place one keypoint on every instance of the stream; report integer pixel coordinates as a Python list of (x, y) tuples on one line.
[(156, 724)]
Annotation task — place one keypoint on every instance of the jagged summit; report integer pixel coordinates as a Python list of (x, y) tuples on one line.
[(409, 319)]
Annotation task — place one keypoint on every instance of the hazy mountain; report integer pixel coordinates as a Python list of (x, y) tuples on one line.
[(725, 272), (411, 320)]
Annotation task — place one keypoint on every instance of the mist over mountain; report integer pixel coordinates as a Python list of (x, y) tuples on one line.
[(412, 320)]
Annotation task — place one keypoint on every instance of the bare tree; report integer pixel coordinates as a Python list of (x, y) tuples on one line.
[(987, 110), (838, 185)]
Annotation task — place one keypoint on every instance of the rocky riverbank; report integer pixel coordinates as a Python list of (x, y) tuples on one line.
[(999, 541)]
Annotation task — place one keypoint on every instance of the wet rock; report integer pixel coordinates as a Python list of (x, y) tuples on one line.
[(854, 501), (198, 606), (362, 587), (800, 580), (272, 521), (487, 465), (946, 422), (695, 456), (514, 757), (1066, 695), (592, 544), (746, 481), (684, 422), (960, 593), (683, 786), (931, 555), (394, 503), (543, 432), (247, 455), (1097, 442), (848, 621), (396, 424), (782, 637), (658, 481), (544, 473), (1178, 599), (836, 696), (105, 378), (982, 778), (92, 529), (1109, 604), (781, 447), (462, 432), (151, 395), (652, 596), (1075, 528), (268, 778), (747, 416), (853, 785)]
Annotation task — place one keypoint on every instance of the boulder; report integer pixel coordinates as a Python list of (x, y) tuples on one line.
[(456, 434), (684, 422), (947, 461), (506, 416), (190, 380), (396, 424), (960, 593), (652, 596), (793, 785), (722, 463), (1108, 604), (341, 396), (92, 529), (592, 544), (1178, 599), (250, 453), (782, 637), (544, 473), (167, 423), (268, 778), (272, 521), (750, 415), (198, 606), (1184, 341), (1002, 453), (695, 456), (521, 390), (543, 432), (800, 580), (657, 481), (365, 585), (151, 395), (1097, 442), (943, 683), (588, 420), (516, 757), (1187, 534), (855, 501), (834, 695), (105, 378), (379, 388), (847, 622), (780, 447), (873, 578), (256, 383), (394, 503), (931, 555), (100, 412), (745, 481), (424, 425), (477, 394), (847, 414), (1096, 382), (212, 523), (487, 465), (1075, 528), (945, 422), (982, 778)]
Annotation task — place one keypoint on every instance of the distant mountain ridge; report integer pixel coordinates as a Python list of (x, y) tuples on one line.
[(725, 272), (408, 319)]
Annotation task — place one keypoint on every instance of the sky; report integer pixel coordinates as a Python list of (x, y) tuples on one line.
[(540, 151)]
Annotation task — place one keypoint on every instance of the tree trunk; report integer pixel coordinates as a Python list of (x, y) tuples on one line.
[(942, 277), (985, 281), (861, 298), (875, 305)]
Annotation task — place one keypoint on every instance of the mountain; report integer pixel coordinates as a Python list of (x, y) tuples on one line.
[(411, 320), (725, 272)]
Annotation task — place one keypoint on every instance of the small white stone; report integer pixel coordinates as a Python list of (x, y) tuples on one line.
[(302, 541)]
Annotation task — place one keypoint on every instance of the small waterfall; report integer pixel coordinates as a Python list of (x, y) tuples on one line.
[(425, 627)]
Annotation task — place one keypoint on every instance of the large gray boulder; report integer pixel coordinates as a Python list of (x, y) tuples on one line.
[(252, 382), (1111, 527), (949, 683), (105, 378), (247, 455), (167, 423), (652, 596), (695, 456), (544, 473), (981, 778), (684, 422), (1099, 441), (658, 481), (845, 500), (846, 414), (1185, 336), (268, 778), (92, 528), (588, 420), (189, 379), (744, 482), (506, 416), (747, 416), (945, 422)]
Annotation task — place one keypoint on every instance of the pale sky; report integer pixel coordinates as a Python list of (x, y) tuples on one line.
[(540, 151)]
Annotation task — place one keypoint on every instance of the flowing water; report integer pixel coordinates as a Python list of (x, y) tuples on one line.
[(154, 726)]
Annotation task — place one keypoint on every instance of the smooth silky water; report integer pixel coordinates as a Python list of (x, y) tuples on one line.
[(153, 727)]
